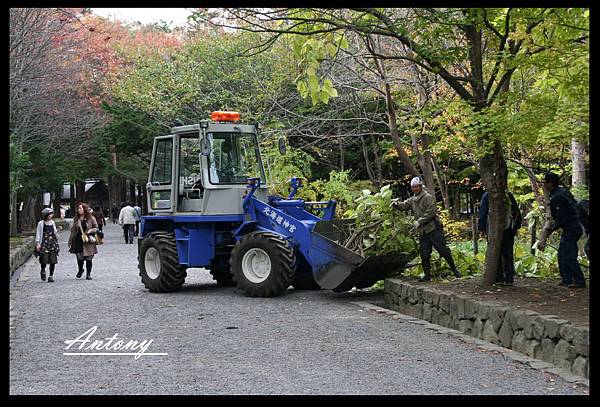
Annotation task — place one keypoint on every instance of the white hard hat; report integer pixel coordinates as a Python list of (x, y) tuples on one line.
[(416, 181)]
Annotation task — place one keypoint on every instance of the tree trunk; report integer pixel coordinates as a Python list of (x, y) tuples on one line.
[(367, 161), (341, 148), (378, 162), (442, 183), (132, 197), (456, 205), (393, 123), (14, 230), (56, 203), (72, 200), (494, 173), (578, 157), (80, 191), (28, 220)]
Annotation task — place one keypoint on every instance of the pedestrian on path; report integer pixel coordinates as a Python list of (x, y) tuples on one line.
[(115, 214), (429, 227), (563, 207), (46, 242), (84, 221), (127, 220), (138, 218), (99, 215), (506, 266)]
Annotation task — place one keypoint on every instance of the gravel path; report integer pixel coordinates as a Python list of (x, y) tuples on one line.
[(220, 342)]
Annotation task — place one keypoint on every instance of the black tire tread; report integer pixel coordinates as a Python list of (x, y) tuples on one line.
[(172, 274), (283, 265)]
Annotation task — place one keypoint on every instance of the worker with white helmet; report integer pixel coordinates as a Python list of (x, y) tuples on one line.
[(428, 225)]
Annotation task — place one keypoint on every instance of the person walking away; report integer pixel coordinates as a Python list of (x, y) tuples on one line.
[(138, 218), (583, 208), (99, 215), (46, 241), (514, 219), (84, 221), (563, 208), (429, 227), (127, 220), (115, 214)]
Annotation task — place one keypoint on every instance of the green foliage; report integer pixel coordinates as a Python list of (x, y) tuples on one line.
[(310, 52), (386, 230)]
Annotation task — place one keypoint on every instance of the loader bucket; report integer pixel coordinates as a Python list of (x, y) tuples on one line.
[(338, 268)]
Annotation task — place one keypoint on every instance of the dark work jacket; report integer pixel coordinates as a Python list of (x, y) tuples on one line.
[(484, 210), (563, 207)]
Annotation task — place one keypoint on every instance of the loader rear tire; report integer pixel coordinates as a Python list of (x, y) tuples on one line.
[(159, 264), (263, 264), (221, 271)]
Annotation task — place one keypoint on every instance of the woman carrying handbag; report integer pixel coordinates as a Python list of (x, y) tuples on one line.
[(80, 243)]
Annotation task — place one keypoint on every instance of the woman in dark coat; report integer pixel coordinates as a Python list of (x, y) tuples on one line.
[(99, 215), (83, 251)]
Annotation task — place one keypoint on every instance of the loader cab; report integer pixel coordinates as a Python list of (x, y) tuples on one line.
[(202, 169)]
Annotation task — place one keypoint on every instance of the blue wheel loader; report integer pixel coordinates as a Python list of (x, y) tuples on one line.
[(209, 208)]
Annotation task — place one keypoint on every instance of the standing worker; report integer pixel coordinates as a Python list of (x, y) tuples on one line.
[(565, 216), (429, 227), (506, 266), (127, 220)]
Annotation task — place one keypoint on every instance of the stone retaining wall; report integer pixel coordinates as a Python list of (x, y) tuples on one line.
[(21, 253), (545, 337)]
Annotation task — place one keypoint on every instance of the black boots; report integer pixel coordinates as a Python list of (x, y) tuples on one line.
[(88, 267), (43, 275), (457, 273), (426, 277), (79, 273)]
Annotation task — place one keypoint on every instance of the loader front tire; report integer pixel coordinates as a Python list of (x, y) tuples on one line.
[(159, 264), (263, 264)]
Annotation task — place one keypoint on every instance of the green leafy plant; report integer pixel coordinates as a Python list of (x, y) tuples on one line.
[(379, 228)]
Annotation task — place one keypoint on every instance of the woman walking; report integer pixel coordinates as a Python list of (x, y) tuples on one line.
[(99, 215), (83, 223), (46, 242)]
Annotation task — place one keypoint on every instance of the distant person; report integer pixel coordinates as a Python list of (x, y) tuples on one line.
[(513, 221), (83, 223), (138, 218), (127, 220), (115, 214), (565, 216), (99, 215), (428, 226), (46, 242)]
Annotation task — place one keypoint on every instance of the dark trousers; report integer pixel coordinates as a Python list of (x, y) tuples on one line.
[(427, 242), (506, 265), (100, 226), (137, 227), (128, 231), (570, 270)]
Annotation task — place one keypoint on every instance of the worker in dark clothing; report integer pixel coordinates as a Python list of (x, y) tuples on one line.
[(565, 216), (428, 226), (506, 266), (584, 217)]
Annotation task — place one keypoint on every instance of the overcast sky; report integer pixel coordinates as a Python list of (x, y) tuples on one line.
[(178, 16)]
